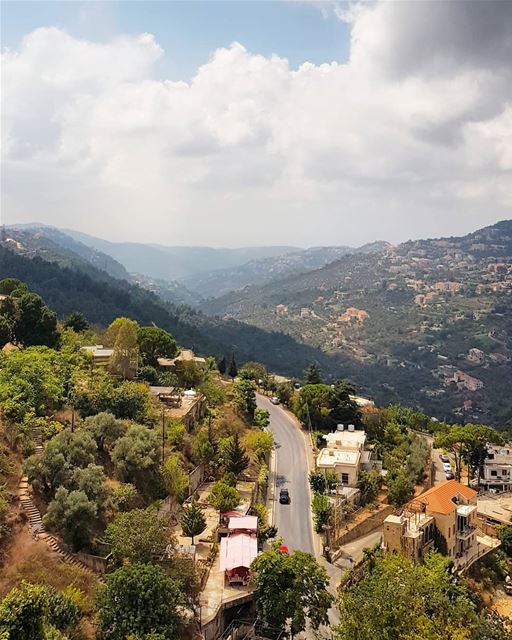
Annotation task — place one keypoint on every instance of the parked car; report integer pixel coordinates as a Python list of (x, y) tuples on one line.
[(274, 400), (449, 475), (447, 466), (284, 496), (443, 457)]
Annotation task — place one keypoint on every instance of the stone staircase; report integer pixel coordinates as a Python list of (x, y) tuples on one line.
[(34, 516)]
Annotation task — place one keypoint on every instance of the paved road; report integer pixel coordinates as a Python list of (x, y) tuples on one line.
[(293, 520)]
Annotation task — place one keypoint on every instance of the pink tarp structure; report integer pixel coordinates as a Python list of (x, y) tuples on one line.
[(237, 551)]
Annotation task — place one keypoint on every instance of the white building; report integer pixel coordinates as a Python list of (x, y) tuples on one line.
[(344, 454), (497, 468)]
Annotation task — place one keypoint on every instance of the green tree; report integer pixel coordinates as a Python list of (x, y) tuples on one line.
[(312, 405), (92, 481), (124, 361), (139, 535), (317, 482), (223, 497), (222, 365), (190, 374), (369, 484), (114, 328), (72, 515), (232, 369), (155, 343), (22, 613), (505, 535), (312, 374), (62, 455), (31, 380), (234, 456), (261, 442), (193, 522), (175, 477), (290, 590), (6, 333), (9, 285), (213, 391), (131, 401), (105, 429), (401, 488), (244, 398), (35, 323), (139, 600), (344, 410), (76, 321), (136, 456), (412, 600), (261, 418), (322, 508), (205, 447)]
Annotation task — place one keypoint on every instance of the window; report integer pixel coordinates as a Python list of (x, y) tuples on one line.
[(504, 472), (494, 473), (344, 478), (490, 456)]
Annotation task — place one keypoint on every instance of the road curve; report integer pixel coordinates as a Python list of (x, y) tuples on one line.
[(292, 520)]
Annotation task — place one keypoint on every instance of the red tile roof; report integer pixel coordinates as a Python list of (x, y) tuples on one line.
[(439, 499)]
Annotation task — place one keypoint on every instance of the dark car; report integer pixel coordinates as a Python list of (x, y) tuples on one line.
[(284, 496), (444, 458), (449, 475)]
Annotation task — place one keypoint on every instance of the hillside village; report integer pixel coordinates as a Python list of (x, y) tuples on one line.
[(132, 463), (429, 317)]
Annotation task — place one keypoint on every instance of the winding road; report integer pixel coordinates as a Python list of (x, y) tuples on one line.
[(293, 521)]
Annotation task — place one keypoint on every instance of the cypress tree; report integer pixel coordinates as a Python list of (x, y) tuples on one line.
[(193, 521), (233, 369)]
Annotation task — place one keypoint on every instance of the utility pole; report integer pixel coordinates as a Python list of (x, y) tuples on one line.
[(163, 434)]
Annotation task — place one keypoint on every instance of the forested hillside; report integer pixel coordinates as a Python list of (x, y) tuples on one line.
[(428, 320)]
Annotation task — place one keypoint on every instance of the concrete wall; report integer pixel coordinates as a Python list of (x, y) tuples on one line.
[(195, 478), (365, 527), (96, 563)]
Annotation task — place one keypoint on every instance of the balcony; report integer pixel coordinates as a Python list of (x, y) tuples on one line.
[(465, 532)]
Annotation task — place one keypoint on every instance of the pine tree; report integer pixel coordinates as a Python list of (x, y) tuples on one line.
[(193, 521), (236, 459), (222, 365), (233, 369), (312, 374)]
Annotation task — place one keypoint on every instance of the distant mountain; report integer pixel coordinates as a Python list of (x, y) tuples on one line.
[(411, 319), (102, 298), (259, 272), (54, 245), (175, 263)]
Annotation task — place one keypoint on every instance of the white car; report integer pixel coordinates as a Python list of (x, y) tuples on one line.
[(274, 400), (447, 466)]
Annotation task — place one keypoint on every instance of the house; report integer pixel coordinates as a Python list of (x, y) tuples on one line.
[(185, 355), (345, 454), (101, 355), (477, 356), (465, 381), (444, 516), (239, 548), (497, 468)]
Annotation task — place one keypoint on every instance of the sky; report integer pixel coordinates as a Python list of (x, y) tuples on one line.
[(257, 123)]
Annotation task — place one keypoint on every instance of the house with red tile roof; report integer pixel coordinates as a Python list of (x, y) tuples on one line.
[(444, 517)]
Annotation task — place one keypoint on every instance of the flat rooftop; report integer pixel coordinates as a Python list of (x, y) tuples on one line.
[(496, 507), (335, 457)]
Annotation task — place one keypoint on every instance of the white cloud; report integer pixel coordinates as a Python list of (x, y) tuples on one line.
[(411, 137)]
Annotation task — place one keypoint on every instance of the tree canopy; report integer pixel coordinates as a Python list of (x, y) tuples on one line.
[(291, 589), (139, 600), (154, 343)]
